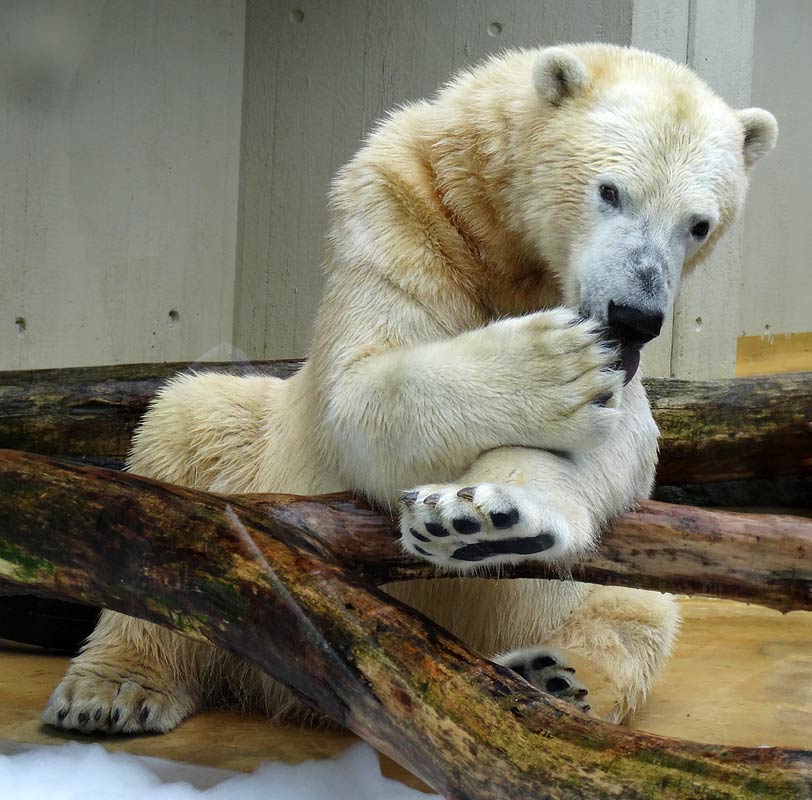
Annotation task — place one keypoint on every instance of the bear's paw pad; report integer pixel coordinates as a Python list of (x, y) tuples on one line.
[(545, 669)]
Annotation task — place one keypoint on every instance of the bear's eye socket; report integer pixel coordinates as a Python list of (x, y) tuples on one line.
[(609, 194), (700, 230)]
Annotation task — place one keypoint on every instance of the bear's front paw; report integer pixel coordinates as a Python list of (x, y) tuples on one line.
[(464, 527), (567, 367), (99, 697)]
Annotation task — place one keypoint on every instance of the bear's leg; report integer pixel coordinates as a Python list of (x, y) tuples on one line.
[(462, 527), (620, 638), (207, 431), (129, 678)]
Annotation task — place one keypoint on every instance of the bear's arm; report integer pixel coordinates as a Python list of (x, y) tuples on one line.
[(398, 414)]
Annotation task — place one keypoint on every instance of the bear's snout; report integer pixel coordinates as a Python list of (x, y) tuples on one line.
[(632, 325)]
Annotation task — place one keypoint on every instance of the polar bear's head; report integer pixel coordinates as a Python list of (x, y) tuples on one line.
[(642, 168)]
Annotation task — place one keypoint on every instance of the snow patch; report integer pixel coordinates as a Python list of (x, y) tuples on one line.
[(88, 772)]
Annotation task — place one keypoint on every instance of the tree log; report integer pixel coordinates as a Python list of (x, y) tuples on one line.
[(756, 558), (222, 570), (90, 413), (733, 429), (711, 431)]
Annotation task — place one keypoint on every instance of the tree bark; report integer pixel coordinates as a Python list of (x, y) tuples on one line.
[(244, 577), (732, 429), (711, 431)]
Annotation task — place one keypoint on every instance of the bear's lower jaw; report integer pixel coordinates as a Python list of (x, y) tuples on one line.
[(629, 360)]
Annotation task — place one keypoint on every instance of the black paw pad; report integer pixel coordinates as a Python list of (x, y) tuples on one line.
[(520, 669), (62, 714), (603, 399), (557, 685), (503, 520), (465, 525), (422, 551), (542, 662), (435, 529), (83, 718), (98, 715), (144, 715), (116, 715), (519, 547), (419, 536)]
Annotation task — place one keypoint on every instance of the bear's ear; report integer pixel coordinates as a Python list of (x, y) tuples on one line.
[(760, 133), (558, 74)]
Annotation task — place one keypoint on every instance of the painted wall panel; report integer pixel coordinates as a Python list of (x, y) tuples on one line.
[(119, 153), (776, 289)]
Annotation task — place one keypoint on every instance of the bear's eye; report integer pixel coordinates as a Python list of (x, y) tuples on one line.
[(700, 230), (609, 194)]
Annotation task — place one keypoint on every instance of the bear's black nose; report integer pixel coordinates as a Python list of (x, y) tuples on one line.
[(632, 325)]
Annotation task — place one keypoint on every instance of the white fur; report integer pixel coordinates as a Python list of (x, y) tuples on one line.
[(442, 363)]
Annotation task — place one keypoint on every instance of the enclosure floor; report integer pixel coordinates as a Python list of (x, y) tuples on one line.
[(741, 675)]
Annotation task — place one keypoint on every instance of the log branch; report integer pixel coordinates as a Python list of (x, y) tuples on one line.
[(711, 431), (223, 571)]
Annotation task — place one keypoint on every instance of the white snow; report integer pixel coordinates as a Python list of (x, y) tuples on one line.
[(88, 772)]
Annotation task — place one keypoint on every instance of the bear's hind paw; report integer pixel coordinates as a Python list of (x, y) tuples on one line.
[(545, 669)]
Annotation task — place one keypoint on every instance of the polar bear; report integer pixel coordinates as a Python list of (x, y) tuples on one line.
[(496, 259)]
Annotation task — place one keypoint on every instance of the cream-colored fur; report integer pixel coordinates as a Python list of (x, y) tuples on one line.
[(467, 238)]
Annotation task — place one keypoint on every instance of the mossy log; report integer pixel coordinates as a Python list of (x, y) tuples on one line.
[(249, 574), (711, 430)]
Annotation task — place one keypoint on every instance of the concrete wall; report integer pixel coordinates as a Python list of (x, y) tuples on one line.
[(119, 153), (164, 166), (776, 291)]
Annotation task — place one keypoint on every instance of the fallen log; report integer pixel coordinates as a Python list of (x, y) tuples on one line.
[(711, 431), (231, 572)]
